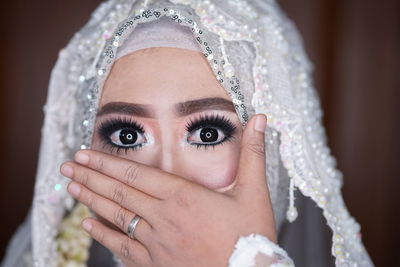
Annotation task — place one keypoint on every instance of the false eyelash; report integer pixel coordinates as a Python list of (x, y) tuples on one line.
[(107, 128), (110, 126), (229, 138), (215, 121), (113, 148), (212, 120)]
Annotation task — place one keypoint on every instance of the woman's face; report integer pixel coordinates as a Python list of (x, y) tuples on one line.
[(163, 107)]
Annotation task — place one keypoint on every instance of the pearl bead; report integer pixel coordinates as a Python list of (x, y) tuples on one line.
[(291, 214), (229, 70)]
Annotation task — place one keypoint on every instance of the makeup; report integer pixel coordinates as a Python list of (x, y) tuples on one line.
[(209, 130), (122, 134)]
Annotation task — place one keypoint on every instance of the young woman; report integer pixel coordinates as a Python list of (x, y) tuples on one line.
[(161, 97)]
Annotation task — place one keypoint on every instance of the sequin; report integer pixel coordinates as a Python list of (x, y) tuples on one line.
[(278, 74), (57, 187)]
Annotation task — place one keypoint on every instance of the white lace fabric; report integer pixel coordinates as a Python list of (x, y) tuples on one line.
[(258, 251), (256, 54)]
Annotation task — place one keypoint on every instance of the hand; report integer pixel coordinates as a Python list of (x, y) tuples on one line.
[(182, 223)]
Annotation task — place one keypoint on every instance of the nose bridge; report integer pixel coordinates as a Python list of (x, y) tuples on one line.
[(167, 155), (166, 160)]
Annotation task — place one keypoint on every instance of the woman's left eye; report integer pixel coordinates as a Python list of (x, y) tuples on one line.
[(127, 138), (209, 130), (206, 136)]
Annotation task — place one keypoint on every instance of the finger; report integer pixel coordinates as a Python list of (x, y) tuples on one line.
[(110, 211), (125, 247), (134, 174), (122, 194), (251, 169)]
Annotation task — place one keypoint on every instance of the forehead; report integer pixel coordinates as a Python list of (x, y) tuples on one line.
[(161, 75)]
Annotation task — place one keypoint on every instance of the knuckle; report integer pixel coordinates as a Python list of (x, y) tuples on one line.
[(120, 216), (84, 178), (131, 174), (99, 164), (125, 248), (162, 248), (119, 193), (90, 201), (256, 148), (172, 225), (98, 235)]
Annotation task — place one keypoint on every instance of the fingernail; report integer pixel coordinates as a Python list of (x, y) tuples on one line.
[(260, 123), (74, 189), (67, 170), (82, 157), (87, 225)]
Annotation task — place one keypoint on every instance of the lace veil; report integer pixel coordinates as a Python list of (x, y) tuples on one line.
[(255, 53)]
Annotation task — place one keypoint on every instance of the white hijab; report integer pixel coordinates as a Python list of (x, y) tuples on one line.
[(255, 53)]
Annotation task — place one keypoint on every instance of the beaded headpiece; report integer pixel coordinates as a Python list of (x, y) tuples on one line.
[(256, 55), (159, 33)]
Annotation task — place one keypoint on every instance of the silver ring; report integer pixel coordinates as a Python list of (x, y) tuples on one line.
[(132, 226)]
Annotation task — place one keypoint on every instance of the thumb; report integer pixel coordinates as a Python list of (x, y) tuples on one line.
[(251, 169)]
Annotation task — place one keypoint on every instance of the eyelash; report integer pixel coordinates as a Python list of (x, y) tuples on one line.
[(107, 128), (214, 121)]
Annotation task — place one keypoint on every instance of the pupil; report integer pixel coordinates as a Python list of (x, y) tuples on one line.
[(127, 137), (209, 135)]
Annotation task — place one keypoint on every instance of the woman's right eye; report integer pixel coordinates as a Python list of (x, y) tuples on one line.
[(127, 138), (122, 133)]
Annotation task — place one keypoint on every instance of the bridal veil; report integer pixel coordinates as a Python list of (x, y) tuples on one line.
[(257, 56)]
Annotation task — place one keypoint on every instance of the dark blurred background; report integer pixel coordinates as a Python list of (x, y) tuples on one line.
[(354, 45)]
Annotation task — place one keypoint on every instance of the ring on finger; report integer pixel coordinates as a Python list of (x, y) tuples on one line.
[(132, 226)]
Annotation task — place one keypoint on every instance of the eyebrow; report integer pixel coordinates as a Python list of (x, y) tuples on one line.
[(126, 109), (192, 106), (181, 109)]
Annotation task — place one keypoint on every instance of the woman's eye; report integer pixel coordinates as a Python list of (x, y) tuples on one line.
[(206, 135), (209, 130), (127, 138)]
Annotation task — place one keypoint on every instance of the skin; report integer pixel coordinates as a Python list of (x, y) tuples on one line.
[(155, 71), (194, 204)]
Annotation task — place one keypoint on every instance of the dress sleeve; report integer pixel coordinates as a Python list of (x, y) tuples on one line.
[(258, 251)]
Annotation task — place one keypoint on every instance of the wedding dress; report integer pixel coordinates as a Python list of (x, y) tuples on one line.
[(256, 54)]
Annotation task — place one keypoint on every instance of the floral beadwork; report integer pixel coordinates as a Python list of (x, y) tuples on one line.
[(72, 241), (255, 53)]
